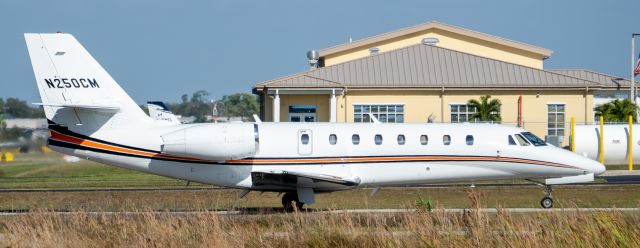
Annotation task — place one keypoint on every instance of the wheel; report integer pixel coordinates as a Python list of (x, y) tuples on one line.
[(289, 200), (546, 202)]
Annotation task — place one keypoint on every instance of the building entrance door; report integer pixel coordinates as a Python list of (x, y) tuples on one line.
[(302, 113)]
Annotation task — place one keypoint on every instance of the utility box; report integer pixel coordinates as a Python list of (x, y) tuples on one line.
[(554, 140)]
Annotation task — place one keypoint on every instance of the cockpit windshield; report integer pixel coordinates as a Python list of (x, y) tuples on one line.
[(534, 139)]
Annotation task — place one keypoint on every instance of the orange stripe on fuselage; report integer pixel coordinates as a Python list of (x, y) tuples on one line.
[(93, 144), (88, 143), (392, 159)]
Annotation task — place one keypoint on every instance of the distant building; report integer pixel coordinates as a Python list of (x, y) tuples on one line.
[(26, 123), (431, 71)]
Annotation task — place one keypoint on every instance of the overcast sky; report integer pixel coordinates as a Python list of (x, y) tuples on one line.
[(159, 50)]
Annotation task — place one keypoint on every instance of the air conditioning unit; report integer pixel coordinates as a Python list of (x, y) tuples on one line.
[(554, 140)]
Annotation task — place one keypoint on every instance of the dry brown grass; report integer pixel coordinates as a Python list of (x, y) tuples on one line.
[(146, 228)]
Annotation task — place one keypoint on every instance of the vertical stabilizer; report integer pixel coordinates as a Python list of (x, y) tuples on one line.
[(74, 88)]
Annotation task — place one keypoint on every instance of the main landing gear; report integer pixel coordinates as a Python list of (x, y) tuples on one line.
[(290, 202), (547, 201)]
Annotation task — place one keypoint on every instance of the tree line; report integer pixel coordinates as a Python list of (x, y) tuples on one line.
[(242, 105)]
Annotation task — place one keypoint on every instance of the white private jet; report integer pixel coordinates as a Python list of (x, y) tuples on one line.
[(90, 116), (159, 111)]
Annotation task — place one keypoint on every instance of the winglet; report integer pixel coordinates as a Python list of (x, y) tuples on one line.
[(374, 119)]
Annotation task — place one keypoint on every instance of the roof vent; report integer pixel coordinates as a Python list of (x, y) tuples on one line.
[(373, 51), (313, 57), (430, 41)]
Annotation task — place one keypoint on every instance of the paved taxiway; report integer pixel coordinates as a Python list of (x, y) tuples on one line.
[(611, 180)]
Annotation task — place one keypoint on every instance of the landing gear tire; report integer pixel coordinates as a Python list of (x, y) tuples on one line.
[(546, 202), (291, 203)]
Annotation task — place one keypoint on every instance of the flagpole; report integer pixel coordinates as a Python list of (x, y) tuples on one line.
[(632, 90)]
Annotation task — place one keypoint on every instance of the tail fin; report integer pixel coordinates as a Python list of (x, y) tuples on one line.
[(160, 112), (75, 89)]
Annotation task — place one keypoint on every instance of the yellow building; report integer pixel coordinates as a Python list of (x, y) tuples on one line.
[(428, 73)]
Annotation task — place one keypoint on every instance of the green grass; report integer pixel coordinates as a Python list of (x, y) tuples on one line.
[(225, 199), (49, 170)]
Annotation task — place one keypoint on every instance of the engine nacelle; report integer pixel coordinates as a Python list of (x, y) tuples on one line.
[(216, 142)]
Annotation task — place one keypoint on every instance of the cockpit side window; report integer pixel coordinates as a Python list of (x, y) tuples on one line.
[(534, 139), (512, 142), (521, 140)]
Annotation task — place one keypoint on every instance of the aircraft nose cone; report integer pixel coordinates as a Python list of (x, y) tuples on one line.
[(599, 169), (593, 166)]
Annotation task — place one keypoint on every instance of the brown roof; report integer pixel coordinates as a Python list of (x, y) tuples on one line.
[(601, 78), (435, 25), (426, 66)]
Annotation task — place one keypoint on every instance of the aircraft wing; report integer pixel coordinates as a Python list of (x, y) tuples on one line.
[(294, 179)]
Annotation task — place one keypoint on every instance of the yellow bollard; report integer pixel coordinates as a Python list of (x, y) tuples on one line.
[(573, 134), (8, 157), (630, 143), (601, 141)]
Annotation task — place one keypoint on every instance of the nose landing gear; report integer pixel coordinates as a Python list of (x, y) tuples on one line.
[(547, 201)]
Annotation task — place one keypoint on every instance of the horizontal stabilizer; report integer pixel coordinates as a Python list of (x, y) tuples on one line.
[(83, 106), (570, 179)]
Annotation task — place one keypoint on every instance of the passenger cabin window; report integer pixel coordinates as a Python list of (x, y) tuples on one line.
[(424, 139), (511, 141), (333, 139), (469, 140), (446, 140), (378, 139), (401, 139), (304, 139), (521, 140), (355, 139)]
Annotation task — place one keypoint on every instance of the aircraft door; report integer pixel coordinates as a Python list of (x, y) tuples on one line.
[(305, 142)]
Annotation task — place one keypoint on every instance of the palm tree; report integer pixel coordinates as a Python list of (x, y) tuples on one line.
[(486, 110), (617, 110)]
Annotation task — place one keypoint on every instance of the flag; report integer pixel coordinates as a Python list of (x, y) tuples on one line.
[(636, 70)]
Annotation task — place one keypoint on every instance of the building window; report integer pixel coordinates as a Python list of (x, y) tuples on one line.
[(462, 113), (555, 119), (424, 139), (378, 139), (333, 139), (446, 140), (469, 140), (392, 113), (355, 139), (401, 139)]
